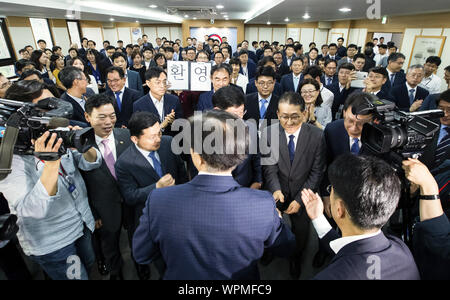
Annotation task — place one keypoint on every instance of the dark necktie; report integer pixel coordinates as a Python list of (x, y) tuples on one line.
[(392, 79), (442, 148), (156, 163), (330, 80), (411, 96), (355, 146), (291, 147), (119, 103)]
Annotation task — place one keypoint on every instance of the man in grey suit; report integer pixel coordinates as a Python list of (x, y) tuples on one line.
[(103, 191), (300, 164)]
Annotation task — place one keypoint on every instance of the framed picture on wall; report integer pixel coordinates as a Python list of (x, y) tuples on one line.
[(335, 35), (424, 47)]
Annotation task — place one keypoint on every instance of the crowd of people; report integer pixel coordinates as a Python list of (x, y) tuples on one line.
[(213, 216)]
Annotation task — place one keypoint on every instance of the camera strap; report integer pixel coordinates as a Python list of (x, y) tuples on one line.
[(7, 145)]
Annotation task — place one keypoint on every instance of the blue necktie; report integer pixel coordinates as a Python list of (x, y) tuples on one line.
[(355, 146), (263, 109), (442, 148), (291, 147), (156, 164), (411, 96), (392, 79), (329, 80), (119, 103)]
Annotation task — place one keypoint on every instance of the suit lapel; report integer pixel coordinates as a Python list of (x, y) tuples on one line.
[(143, 163), (284, 151), (120, 142), (302, 143)]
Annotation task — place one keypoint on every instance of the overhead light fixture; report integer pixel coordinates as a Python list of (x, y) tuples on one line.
[(220, 6), (195, 18), (111, 19), (306, 16), (70, 16), (345, 9), (137, 21), (268, 22), (186, 16), (153, 6), (286, 20)]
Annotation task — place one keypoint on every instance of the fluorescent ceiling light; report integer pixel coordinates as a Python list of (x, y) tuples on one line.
[(345, 9), (195, 18), (186, 16), (220, 6), (153, 6), (111, 19), (260, 8), (286, 20), (306, 16), (268, 22)]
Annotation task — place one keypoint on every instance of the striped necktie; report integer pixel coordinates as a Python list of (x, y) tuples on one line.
[(442, 148)]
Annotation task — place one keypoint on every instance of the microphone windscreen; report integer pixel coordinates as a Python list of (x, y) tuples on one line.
[(58, 122)]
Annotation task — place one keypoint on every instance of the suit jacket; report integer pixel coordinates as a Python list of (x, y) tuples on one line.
[(251, 88), (370, 63), (199, 229), (103, 191), (333, 81), (282, 70), (307, 169), (400, 94), (399, 79), (383, 95), (170, 102), (78, 111), (342, 51), (339, 97), (129, 97), (355, 260), (287, 83), (252, 108), (251, 69), (336, 57), (205, 101), (135, 82), (137, 178), (430, 102)]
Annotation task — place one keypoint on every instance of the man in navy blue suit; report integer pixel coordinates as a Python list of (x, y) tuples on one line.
[(248, 67), (330, 77), (342, 89), (146, 165), (220, 77), (124, 97), (289, 55), (375, 81), (396, 74), (249, 172), (409, 96), (211, 228), (291, 82), (360, 210), (133, 80), (267, 61), (332, 53), (167, 107)]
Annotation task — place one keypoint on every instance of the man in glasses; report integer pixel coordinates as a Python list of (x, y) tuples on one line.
[(301, 164), (167, 107)]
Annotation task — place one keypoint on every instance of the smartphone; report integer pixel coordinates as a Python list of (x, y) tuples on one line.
[(359, 81)]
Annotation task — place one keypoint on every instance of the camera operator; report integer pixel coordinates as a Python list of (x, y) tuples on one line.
[(431, 236), (50, 200)]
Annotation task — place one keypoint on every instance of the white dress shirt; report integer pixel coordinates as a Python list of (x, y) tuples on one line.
[(147, 64), (159, 106), (432, 84), (322, 227), (121, 94), (410, 88), (327, 96), (111, 145), (126, 77), (295, 137), (213, 174), (351, 142), (146, 154)]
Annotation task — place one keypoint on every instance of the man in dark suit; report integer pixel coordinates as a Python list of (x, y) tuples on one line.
[(84, 48), (330, 77), (352, 50), (124, 97), (167, 107), (290, 54), (342, 89), (375, 81), (363, 252), (263, 104), (75, 82), (409, 96), (267, 61), (281, 68), (220, 77), (189, 223), (248, 67), (103, 190), (341, 50), (332, 53), (300, 164), (249, 172), (292, 81), (147, 165), (133, 79), (107, 60), (395, 72)]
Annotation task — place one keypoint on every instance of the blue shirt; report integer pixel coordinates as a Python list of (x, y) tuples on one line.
[(442, 133), (48, 223)]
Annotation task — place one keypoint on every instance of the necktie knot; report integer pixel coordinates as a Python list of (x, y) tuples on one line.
[(355, 140), (118, 93), (291, 137), (411, 91)]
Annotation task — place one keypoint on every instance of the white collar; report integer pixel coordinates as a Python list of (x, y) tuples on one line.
[(99, 140), (144, 152), (410, 88), (260, 98), (155, 100), (295, 134), (76, 98), (338, 244), (121, 91), (298, 77), (214, 174)]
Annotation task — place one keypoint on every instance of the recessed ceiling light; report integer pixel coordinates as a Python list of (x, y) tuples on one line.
[(69, 16), (137, 21), (286, 20), (220, 6), (225, 16), (223, 13), (153, 6), (306, 16), (195, 18), (345, 9), (268, 22), (111, 19), (186, 16)]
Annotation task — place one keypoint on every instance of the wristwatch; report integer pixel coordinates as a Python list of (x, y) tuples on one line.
[(429, 197)]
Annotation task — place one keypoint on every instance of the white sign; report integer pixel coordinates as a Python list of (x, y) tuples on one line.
[(216, 33), (192, 76)]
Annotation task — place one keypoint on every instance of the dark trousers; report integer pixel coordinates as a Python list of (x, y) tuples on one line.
[(12, 264), (300, 228), (107, 248)]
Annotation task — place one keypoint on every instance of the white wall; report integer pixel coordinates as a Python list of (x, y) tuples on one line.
[(124, 34), (21, 37), (279, 35), (306, 37), (335, 33), (61, 36), (110, 34), (176, 33), (265, 34), (95, 34), (320, 37), (163, 32)]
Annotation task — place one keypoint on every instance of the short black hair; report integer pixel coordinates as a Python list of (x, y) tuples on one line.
[(314, 49), (359, 101), (110, 47), (352, 46), (28, 73), (41, 41), (373, 196), (265, 60), (120, 41), (96, 101), (154, 72), (68, 75), (234, 61), (380, 70), (312, 43), (265, 71), (83, 39), (218, 52), (93, 42), (447, 68), (117, 55), (202, 51), (445, 96), (314, 71), (434, 60), (329, 61), (140, 121), (243, 52), (115, 69), (332, 45), (395, 57), (298, 47), (129, 46), (219, 67), (25, 90), (55, 48), (384, 46), (292, 98), (289, 46), (298, 58), (227, 154), (341, 38), (146, 49), (323, 46), (370, 44), (228, 96), (22, 50), (22, 63), (359, 55), (347, 66), (169, 49)]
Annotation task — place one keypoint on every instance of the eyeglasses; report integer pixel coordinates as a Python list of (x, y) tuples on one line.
[(262, 83), (294, 118), (308, 92)]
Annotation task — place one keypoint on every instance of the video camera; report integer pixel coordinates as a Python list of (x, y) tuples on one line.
[(20, 122)]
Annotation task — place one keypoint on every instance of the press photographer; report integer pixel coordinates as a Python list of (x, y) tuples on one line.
[(49, 196)]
